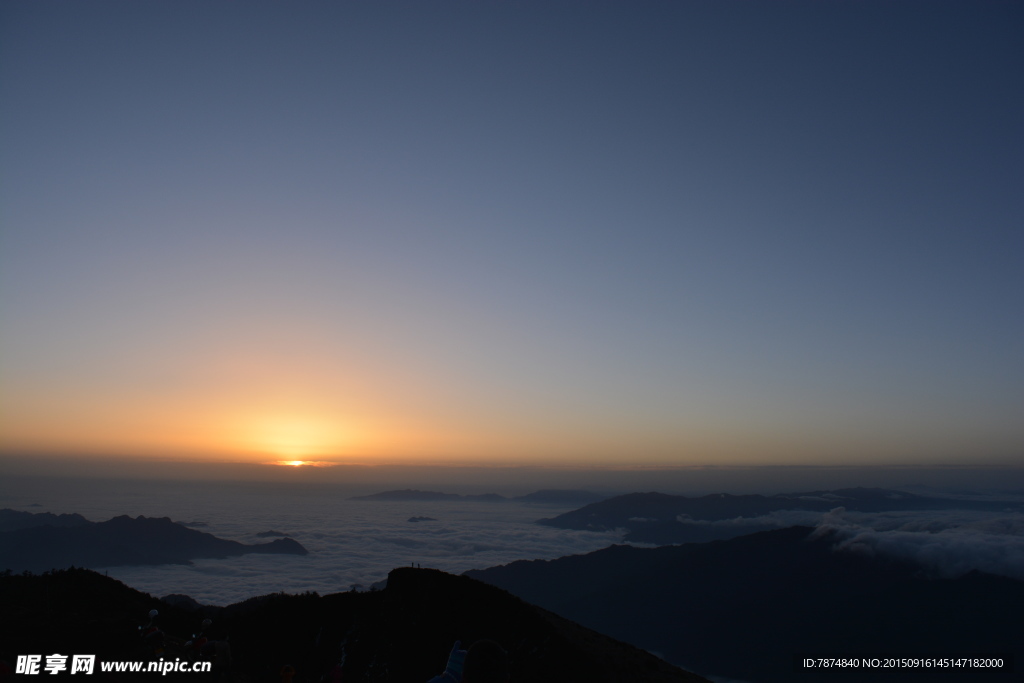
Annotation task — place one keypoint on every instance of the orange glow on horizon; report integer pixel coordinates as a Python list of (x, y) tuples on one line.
[(315, 428), (302, 463), (297, 438)]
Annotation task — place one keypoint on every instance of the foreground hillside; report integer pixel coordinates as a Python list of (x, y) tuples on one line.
[(402, 633), (747, 608)]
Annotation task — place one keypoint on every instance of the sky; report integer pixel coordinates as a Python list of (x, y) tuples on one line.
[(612, 234)]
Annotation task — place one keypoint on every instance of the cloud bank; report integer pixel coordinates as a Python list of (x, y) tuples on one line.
[(949, 543), (358, 542)]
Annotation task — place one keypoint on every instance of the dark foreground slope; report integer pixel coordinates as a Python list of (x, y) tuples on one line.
[(746, 608), (42, 542), (402, 633)]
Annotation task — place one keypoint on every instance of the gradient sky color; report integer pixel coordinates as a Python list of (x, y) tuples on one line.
[(651, 233)]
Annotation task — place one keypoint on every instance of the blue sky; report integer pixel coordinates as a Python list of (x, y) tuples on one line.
[(544, 232)]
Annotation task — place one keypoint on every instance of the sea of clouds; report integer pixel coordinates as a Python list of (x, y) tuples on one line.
[(357, 542), (349, 541), (948, 543)]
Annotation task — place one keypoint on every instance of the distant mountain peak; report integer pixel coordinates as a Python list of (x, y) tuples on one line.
[(121, 540)]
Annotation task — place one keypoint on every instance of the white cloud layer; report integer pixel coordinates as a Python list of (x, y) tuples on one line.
[(948, 542), (358, 542), (349, 541)]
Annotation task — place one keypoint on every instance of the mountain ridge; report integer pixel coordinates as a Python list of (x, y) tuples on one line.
[(121, 540), (662, 518), (403, 632), (771, 596)]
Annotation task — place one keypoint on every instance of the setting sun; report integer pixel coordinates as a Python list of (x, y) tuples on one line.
[(301, 463)]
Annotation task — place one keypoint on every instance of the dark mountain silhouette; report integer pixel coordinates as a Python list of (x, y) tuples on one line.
[(13, 520), (662, 518), (196, 525), (120, 541), (746, 607), (402, 633)]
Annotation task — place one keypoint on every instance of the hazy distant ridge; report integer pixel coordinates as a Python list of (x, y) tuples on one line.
[(118, 541), (662, 518), (421, 496), (555, 496)]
